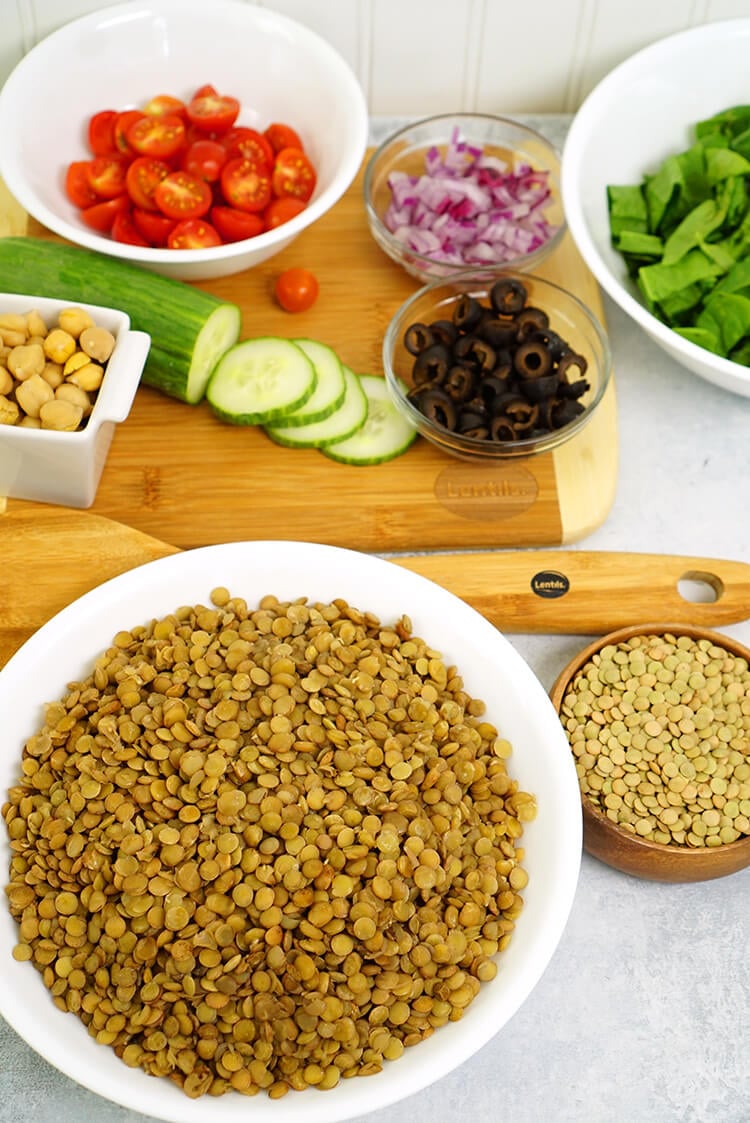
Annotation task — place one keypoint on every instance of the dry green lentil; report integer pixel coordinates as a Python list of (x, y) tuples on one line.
[(267, 849), (674, 754)]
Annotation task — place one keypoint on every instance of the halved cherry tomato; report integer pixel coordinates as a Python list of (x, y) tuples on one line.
[(205, 159), (244, 187), (157, 136), (180, 195), (213, 112), (251, 144), (142, 178), (123, 122), (206, 91), (154, 227), (234, 225), (164, 103), (107, 175), (279, 211), (124, 230), (296, 290), (293, 174), (193, 234), (101, 132), (282, 136), (78, 186), (101, 216)]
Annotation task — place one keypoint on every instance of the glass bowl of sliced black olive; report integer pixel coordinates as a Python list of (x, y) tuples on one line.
[(507, 366)]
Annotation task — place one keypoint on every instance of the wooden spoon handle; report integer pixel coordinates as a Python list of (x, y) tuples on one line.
[(590, 592)]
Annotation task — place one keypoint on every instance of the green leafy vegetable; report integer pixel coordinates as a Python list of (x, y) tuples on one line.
[(684, 233)]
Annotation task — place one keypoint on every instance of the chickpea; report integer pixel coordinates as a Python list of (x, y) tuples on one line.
[(88, 377), (25, 361), (74, 321), (35, 324), (13, 321), (53, 373), (98, 343), (12, 338), (61, 415), (32, 394), (68, 392), (6, 382), (9, 411), (59, 345)]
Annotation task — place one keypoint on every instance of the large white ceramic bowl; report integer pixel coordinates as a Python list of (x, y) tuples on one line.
[(119, 57), (491, 669), (640, 113)]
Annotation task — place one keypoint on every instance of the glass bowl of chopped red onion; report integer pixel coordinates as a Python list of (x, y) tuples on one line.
[(463, 191), (509, 365)]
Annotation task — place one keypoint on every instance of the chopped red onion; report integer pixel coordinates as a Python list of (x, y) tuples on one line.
[(469, 207)]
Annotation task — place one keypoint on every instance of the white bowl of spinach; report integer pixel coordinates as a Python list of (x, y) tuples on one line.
[(656, 191)]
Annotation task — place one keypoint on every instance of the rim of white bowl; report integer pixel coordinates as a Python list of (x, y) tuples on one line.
[(12, 174), (589, 111)]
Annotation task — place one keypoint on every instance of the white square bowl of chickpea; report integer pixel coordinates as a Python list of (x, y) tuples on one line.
[(68, 375)]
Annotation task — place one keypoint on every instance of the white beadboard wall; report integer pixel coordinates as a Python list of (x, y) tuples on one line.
[(417, 57)]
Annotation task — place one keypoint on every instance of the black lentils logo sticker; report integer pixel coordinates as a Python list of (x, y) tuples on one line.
[(549, 584)]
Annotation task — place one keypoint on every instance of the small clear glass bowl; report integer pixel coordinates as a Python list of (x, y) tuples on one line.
[(405, 151), (568, 316)]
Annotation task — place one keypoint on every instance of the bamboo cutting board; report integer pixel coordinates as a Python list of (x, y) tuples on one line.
[(177, 473)]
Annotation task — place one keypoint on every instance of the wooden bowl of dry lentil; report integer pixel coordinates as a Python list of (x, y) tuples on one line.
[(658, 719)]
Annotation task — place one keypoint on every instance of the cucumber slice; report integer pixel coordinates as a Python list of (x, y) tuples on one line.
[(350, 416), (261, 380), (385, 434), (330, 389)]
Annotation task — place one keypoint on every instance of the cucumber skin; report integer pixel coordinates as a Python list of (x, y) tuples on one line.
[(172, 312)]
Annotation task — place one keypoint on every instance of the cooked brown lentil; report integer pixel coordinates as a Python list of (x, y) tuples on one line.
[(265, 849), (660, 729)]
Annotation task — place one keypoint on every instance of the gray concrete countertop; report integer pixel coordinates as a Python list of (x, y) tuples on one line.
[(642, 1016)]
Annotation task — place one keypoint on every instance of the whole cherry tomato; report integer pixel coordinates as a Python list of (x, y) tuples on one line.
[(296, 289)]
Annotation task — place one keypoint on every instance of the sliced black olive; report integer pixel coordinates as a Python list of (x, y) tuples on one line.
[(574, 389), (523, 415), (566, 411), (469, 419), (529, 320), (417, 338), (532, 360), (498, 333), (490, 388), (540, 389), (444, 332), (476, 351), (467, 312), (579, 363), (501, 429), (437, 406), (508, 296), (431, 365), (554, 343), (459, 382), (477, 433)]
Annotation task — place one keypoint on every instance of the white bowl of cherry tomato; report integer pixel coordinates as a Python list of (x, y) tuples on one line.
[(195, 140)]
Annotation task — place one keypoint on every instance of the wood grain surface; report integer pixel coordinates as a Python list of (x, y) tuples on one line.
[(176, 472), (49, 556)]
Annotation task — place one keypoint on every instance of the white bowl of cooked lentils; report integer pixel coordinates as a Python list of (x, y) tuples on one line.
[(265, 831), (658, 721)]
